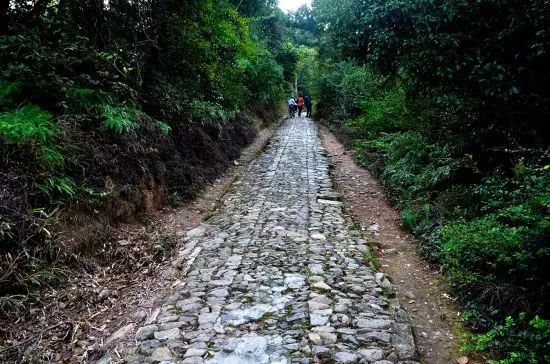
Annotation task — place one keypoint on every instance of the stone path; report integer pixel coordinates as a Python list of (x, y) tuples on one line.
[(278, 275)]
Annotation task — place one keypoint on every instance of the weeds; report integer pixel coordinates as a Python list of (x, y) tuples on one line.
[(163, 244), (371, 259)]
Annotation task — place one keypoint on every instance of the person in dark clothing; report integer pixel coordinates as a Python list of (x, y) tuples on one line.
[(309, 106)]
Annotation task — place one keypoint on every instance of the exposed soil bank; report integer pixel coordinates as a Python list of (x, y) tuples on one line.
[(434, 314), (77, 321)]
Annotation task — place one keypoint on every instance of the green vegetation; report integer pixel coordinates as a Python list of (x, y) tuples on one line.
[(101, 100), (447, 102)]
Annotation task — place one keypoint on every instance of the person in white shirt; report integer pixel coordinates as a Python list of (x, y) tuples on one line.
[(291, 107)]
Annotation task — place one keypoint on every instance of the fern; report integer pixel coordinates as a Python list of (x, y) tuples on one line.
[(58, 188), (51, 156), (33, 127), (120, 120), (28, 125), (209, 113)]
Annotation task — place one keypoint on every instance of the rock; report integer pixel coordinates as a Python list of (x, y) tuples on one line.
[(148, 346), (322, 299), (403, 341), (161, 354), (208, 318), (196, 232), (146, 332), (295, 281), (171, 334), (462, 360), (318, 237), (316, 306), (350, 338), (328, 338), (242, 316), (371, 354), (194, 352), (221, 292), (316, 269), (107, 359), (315, 279), (345, 357), (377, 335), (374, 228), (246, 349), (323, 329), (103, 294), (191, 360), (357, 288), (318, 320), (320, 350), (190, 307), (373, 323), (120, 333), (392, 357), (315, 338), (322, 286)]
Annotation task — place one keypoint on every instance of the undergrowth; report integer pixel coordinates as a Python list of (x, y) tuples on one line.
[(487, 227), (106, 110)]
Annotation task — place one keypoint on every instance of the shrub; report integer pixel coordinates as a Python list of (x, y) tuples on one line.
[(518, 340), (467, 139), (495, 267)]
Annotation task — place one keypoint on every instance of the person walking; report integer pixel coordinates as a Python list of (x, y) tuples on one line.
[(309, 106), (291, 107), (300, 105)]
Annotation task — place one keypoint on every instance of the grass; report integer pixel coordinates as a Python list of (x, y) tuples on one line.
[(370, 259)]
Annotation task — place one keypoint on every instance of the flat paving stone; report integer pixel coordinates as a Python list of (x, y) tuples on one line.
[(277, 274)]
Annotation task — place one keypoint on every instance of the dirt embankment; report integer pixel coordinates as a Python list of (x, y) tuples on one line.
[(99, 300), (434, 313)]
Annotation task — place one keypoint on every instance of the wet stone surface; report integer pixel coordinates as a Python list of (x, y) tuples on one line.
[(277, 275)]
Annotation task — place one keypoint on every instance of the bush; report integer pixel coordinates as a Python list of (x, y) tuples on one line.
[(460, 146), (88, 121), (515, 341)]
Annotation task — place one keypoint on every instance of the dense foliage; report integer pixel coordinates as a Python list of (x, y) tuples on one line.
[(448, 102), (105, 103)]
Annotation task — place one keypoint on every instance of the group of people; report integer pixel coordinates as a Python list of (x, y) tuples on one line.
[(296, 105)]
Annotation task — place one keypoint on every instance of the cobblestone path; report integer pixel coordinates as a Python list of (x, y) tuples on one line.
[(278, 275)]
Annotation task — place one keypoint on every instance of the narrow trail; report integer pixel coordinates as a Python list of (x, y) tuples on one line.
[(276, 276)]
